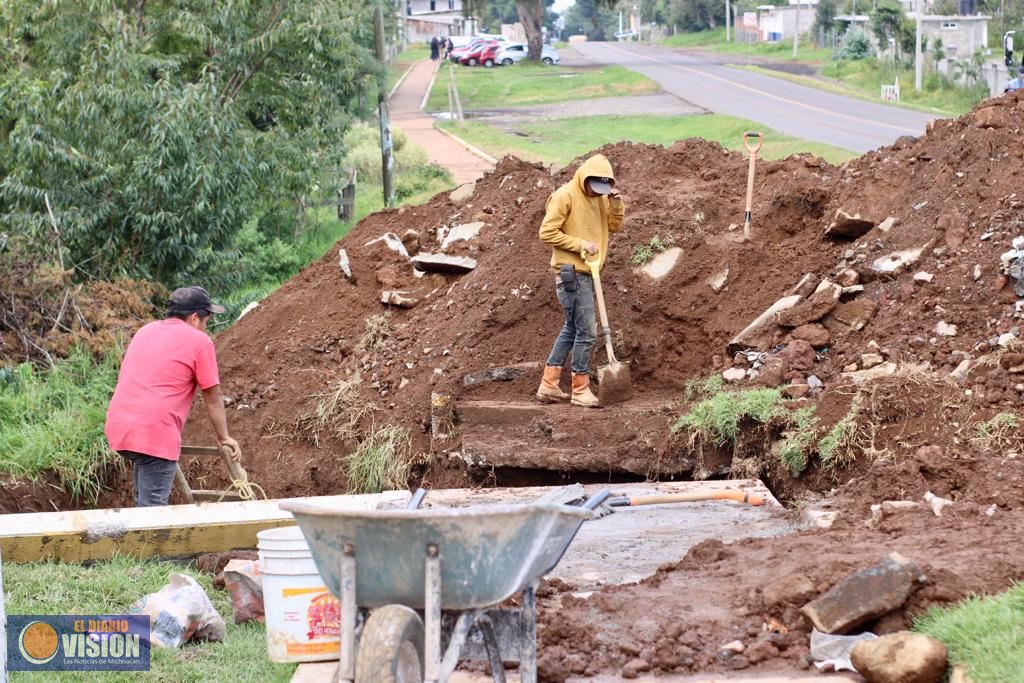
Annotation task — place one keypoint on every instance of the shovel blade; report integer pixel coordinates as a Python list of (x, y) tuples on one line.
[(614, 384)]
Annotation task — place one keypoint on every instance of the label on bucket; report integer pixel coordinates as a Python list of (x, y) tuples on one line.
[(307, 627)]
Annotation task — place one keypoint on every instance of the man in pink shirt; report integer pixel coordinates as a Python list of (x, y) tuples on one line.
[(164, 364)]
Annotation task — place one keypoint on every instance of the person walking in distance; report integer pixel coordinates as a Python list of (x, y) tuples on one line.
[(435, 48), (578, 218), (163, 365)]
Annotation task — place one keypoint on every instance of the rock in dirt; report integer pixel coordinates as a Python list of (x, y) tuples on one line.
[(848, 225), (953, 228), (442, 263), (249, 308), (936, 503), (944, 329), (398, 298), (886, 369), (887, 224), (799, 355), (392, 242), (717, 281), (462, 193), (899, 261), (993, 117), (902, 657), (808, 285), (343, 262), (758, 333), (663, 264), (773, 372), (790, 589), (411, 240), (864, 595), (734, 375), (814, 334), (851, 316), (870, 360), (923, 277), (795, 391), (848, 278), (504, 374), (813, 309), (816, 518), (466, 231), (635, 667)]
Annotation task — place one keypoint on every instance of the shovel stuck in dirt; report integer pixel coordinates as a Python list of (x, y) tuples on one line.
[(753, 149), (613, 381)]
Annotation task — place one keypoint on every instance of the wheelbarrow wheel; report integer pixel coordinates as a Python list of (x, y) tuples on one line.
[(391, 647)]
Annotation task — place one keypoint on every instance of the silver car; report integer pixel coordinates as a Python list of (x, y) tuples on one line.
[(517, 52)]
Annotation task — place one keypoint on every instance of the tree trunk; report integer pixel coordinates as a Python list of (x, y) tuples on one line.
[(531, 15)]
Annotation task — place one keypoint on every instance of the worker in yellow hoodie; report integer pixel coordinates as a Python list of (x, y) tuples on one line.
[(579, 216)]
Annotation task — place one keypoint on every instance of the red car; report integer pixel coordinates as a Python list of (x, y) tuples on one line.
[(472, 56), (489, 57), (458, 53)]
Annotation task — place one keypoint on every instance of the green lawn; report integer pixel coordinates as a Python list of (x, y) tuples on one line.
[(110, 588), (986, 635), (714, 41), (529, 84), (561, 141)]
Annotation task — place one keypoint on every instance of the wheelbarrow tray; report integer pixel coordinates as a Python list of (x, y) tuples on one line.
[(488, 552)]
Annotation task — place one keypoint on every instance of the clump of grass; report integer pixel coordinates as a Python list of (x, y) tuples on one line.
[(717, 418), (799, 441), (703, 388), (52, 421), (838, 448), (378, 328), (643, 253), (1002, 431), (986, 635), (381, 462), (339, 412)]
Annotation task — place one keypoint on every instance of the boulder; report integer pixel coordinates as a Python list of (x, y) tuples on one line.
[(847, 225), (902, 657), (799, 355), (812, 309), (663, 264), (814, 334)]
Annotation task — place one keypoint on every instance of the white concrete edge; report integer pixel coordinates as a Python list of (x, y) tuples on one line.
[(430, 87), (401, 79), (476, 151)]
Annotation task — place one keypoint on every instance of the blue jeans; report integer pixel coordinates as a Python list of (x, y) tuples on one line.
[(152, 477), (580, 329)]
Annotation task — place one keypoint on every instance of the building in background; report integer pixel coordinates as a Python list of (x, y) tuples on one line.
[(425, 19)]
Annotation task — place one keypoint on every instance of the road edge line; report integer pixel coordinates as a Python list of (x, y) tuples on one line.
[(401, 79), (476, 151)]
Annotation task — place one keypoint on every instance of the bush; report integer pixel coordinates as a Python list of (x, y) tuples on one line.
[(856, 45)]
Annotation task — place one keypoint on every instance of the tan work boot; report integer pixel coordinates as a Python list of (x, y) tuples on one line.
[(581, 393), (549, 391)]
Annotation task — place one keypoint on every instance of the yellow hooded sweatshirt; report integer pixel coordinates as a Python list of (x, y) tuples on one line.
[(573, 218)]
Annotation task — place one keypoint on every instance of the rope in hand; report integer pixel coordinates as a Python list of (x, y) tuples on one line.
[(245, 489)]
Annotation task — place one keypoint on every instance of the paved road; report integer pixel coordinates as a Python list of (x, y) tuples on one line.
[(796, 110)]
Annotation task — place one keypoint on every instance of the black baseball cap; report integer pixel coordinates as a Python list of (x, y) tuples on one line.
[(600, 185), (192, 300)]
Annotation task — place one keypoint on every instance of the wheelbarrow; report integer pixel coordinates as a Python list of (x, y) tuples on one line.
[(455, 566)]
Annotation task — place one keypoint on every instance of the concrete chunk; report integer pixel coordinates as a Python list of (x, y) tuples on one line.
[(808, 285), (899, 261), (717, 281), (398, 298), (343, 262), (466, 231), (864, 595), (505, 374), (392, 241), (847, 225), (662, 264), (813, 309), (905, 657), (462, 193), (862, 376), (758, 333), (442, 263)]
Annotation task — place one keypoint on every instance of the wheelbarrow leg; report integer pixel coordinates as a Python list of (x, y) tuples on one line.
[(528, 642), (486, 627), (455, 643), (432, 617), (347, 661)]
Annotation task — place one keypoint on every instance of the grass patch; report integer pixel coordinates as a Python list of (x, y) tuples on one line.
[(339, 412), (838, 448), (703, 388), (533, 84), (110, 588), (52, 420), (643, 253), (563, 140), (986, 635), (378, 328), (381, 462), (714, 41), (717, 419), (799, 441), (1002, 431)]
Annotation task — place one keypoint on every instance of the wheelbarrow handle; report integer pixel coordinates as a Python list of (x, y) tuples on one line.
[(597, 499), (751, 134)]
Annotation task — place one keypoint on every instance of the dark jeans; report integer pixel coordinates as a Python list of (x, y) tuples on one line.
[(152, 477), (580, 329)]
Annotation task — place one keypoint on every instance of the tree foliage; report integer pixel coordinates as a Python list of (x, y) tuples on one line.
[(156, 129)]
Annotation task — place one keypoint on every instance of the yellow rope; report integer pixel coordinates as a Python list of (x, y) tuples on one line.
[(246, 489)]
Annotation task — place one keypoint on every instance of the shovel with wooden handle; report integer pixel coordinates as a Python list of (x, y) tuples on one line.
[(753, 149), (662, 498), (613, 381)]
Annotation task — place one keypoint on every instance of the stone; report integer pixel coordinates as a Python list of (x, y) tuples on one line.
[(852, 367), (814, 334), (887, 224), (846, 225), (758, 334), (886, 369), (761, 651), (346, 267), (792, 588), (899, 261), (848, 278), (734, 646), (734, 375), (635, 667), (864, 595), (799, 355), (812, 518), (502, 374), (662, 264), (902, 657), (993, 117), (888, 508), (773, 372), (923, 277), (962, 370), (459, 233), (462, 193), (398, 298), (954, 228), (1011, 360), (850, 316), (392, 242), (936, 503), (717, 281), (814, 383), (944, 329), (812, 309), (870, 360), (442, 263), (807, 285), (1005, 339), (795, 391), (976, 274)]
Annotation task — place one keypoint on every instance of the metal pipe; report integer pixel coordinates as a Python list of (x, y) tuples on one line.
[(417, 499), (432, 615)]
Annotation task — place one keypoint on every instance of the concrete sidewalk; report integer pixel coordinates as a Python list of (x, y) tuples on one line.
[(464, 166)]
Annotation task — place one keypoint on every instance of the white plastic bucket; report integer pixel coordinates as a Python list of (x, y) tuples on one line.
[(301, 615)]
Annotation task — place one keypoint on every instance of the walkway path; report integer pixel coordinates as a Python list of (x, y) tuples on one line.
[(418, 126)]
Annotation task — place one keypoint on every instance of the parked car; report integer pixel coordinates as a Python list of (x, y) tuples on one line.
[(517, 51), (489, 56), (459, 53), (474, 55)]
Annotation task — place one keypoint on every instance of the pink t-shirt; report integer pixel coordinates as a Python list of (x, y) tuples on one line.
[(165, 362)]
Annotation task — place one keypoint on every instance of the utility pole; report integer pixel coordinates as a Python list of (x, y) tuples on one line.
[(796, 30), (387, 159), (728, 21), (917, 48)]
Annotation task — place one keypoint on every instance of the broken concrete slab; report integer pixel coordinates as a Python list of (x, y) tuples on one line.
[(848, 225), (887, 224), (758, 333), (904, 656), (392, 241), (503, 374), (808, 285), (886, 369), (443, 263), (462, 193), (465, 231), (899, 261), (662, 264), (850, 316), (398, 298), (344, 263), (813, 309), (717, 281), (864, 595)]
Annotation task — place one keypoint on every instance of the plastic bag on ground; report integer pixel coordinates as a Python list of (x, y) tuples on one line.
[(179, 612), (834, 651), (244, 582)]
